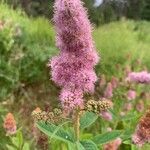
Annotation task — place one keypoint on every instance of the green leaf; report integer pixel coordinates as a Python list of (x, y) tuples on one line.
[(57, 129), (79, 146), (49, 130), (127, 134), (130, 116), (26, 146), (10, 147), (15, 141), (20, 139), (87, 119), (107, 137), (88, 145), (71, 146), (86, 136)]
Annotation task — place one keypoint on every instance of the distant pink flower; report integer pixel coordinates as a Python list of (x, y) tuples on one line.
[(114, 82), (139, 77), (137, 140), (108, 93), (114, 145), (127, 106), (1, 25), (106, 115), (131, 95), (109, 129), (127, 70), (140, 106), (10, 124), (142, 133), (102, 81), (73, 68)]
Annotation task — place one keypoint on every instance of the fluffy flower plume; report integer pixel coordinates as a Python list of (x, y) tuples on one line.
[(73, 68), (142, 133), (10, 124), (139, 77)]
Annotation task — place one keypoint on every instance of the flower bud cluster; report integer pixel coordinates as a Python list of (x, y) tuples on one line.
[(98, 106), (54, 116)]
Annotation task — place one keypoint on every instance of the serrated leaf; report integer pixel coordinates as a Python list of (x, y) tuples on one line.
[(88, 145), (107, 137), (87, 119), (49, 129)]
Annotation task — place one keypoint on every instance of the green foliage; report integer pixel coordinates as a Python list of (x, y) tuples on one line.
[(29, 52), (119, 40), (87, 145), (106, 137), (61, 134), (17, 142), (145, 14), (110, 10), (87, 119), (134, 8), (24, 46)]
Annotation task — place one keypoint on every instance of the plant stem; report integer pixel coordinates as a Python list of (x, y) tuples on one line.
[(77, 124)]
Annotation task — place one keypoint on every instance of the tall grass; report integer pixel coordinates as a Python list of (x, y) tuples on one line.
[(119, 40)]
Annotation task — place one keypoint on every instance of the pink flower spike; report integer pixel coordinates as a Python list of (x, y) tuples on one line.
[(73, 68)]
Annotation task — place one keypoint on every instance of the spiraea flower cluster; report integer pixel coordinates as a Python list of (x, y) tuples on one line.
[(10, 124), (139, 77), (142, 133), (73, 68)]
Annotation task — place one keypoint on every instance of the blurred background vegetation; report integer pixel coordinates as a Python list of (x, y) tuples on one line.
[(27, 41), (100, 11)]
